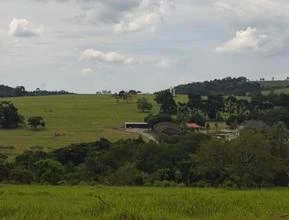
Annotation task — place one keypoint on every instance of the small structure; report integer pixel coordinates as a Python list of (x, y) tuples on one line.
[(137, 125), (227, 135), (194, 126), (173, 91)]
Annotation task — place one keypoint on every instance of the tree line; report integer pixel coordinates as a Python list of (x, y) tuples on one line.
[(228, 86), (6, 91), (255, 159), (231, 109)]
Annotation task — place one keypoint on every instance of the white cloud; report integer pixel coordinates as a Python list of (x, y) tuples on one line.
[(269, 18), (86, 71), (109, 57), (149, 14), (244, 41), (164, 64), (22, 28)]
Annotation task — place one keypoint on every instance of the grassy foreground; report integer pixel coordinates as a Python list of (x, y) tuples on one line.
[(84, 202)]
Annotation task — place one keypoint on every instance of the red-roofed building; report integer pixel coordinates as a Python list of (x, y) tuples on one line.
[(194, 126)]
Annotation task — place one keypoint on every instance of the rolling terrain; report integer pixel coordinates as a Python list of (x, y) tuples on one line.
[(71, 119)]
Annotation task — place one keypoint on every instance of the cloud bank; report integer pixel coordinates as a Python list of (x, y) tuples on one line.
[(109, 57), (22, 28), (261, 26)]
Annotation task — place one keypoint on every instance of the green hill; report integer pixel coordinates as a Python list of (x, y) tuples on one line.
[(71, 119), (278, 84)]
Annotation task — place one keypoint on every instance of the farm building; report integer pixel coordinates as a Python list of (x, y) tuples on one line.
[(194, 126), (137, 125)]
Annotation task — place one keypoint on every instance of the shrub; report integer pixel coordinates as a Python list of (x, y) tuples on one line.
[(36, 121), (198, 118), (49, 171), (155, 119), (22, 176)]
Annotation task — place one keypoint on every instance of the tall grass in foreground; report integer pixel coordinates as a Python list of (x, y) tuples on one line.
[(84, 202)]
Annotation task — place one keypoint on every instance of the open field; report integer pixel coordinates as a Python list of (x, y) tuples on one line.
[(276, 91), (274, 84), (72, 119), (84, 202)]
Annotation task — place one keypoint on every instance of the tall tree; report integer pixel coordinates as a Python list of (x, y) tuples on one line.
[(9, 116), (231, 105), (195, 102), (213, 105), (144, 105), (166, 101), (252, 164)]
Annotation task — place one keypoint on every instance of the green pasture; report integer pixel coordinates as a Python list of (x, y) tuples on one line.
[(276, 91), (72, 119), (274, 84), (85, 202)]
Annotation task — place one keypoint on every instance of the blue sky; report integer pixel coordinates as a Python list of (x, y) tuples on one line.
[(91, 45)]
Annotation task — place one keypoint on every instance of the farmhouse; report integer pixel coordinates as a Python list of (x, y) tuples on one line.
[(137, 125), (194, 126)]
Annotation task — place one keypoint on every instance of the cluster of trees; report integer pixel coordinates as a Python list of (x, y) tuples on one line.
[(125, 95), (255, 159), (234, 110), (39, 92), (228, 86), (6, 91), (11, 118)]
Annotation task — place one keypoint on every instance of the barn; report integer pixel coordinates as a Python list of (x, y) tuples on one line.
[(137, 125)]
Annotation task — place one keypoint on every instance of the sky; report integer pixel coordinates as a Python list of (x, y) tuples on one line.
[(85, 46)]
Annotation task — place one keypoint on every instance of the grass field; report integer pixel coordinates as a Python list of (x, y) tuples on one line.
[(84, 202), (274, 84), (71, 119)]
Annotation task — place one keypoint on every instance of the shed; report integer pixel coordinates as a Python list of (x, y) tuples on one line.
[(137, 125)]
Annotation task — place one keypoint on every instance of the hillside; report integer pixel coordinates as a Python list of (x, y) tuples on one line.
[(233, 86), (71, 119), (228, 86), (278, 84)]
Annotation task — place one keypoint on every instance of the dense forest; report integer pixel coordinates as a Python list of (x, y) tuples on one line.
[(255, 159), (228, 86)]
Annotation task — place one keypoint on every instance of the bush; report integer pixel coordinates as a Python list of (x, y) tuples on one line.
[(167, 128), (127, 175), (198, 118), (22, 176), (235, 120), (155, 119), (36, 121), (9, 116), (49, 171)]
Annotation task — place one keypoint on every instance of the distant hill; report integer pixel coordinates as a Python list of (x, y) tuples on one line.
[(7, 91), (228, 86), (277, 84)]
